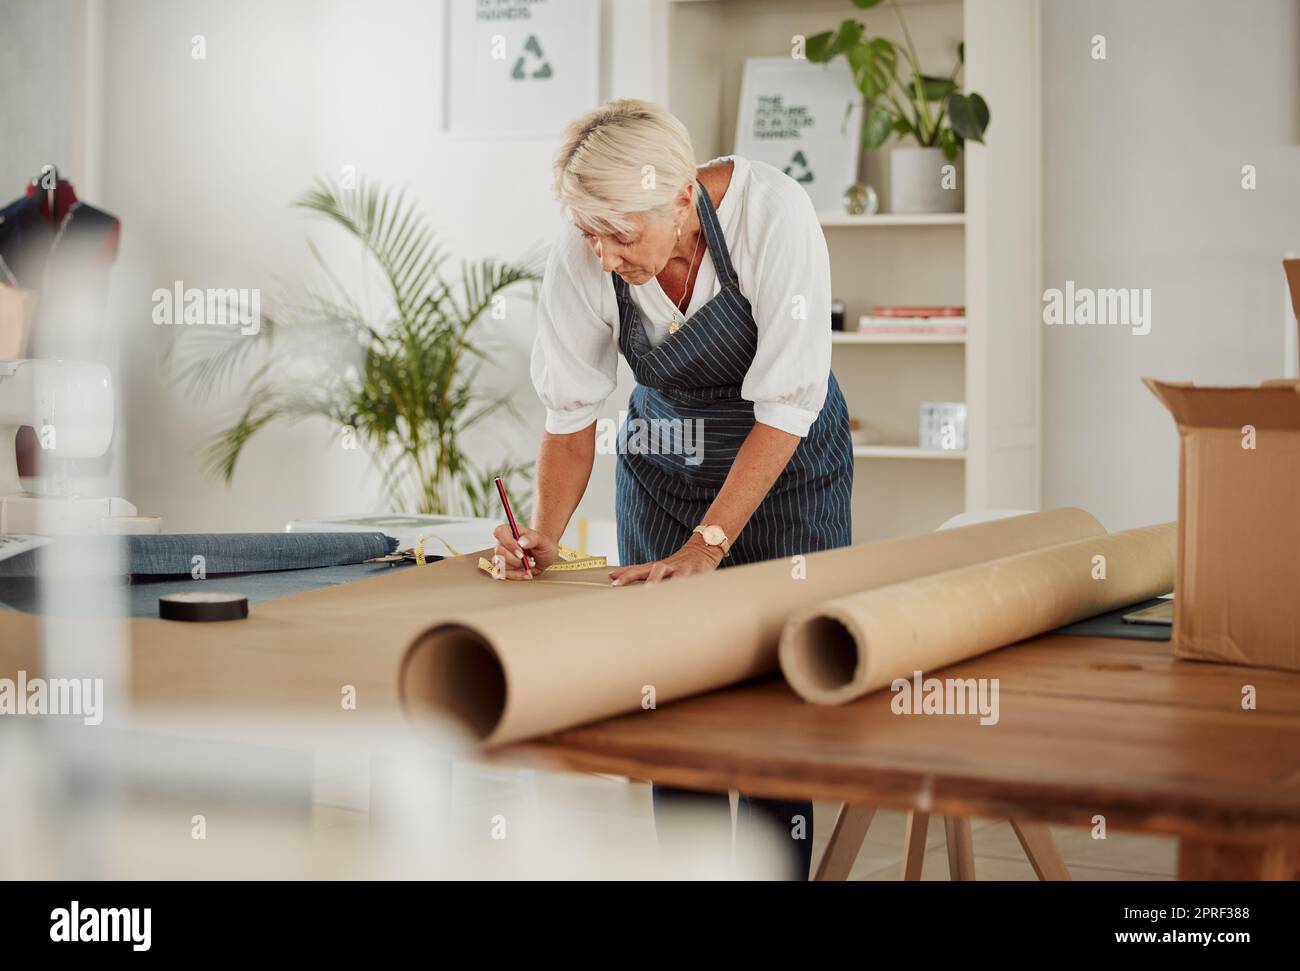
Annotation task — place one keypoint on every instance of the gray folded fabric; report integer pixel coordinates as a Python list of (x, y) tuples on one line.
[(173, 554)]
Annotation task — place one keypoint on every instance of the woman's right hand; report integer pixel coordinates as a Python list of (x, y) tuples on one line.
[(508, 556)]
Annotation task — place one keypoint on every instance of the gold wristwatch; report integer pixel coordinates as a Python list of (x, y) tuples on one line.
[(714, 535)]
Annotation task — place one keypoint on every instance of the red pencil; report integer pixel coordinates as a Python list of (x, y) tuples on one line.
[(510, 516)]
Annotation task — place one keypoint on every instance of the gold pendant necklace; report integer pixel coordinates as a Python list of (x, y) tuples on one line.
[(675, 324)]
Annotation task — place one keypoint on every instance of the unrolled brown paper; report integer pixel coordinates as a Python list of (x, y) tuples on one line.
[(513, 674), (849, 647)]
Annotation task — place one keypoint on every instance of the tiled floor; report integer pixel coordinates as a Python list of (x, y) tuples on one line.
[(504, 823)]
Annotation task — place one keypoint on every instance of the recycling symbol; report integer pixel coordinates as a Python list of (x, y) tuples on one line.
[(533, 47), (798, 169)]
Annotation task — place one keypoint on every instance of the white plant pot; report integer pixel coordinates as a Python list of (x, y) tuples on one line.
[(920, 181)]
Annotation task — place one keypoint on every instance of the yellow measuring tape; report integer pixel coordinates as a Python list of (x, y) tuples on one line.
[(572, 561)]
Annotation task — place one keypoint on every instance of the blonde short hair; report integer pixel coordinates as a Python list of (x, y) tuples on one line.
[(627, 156)]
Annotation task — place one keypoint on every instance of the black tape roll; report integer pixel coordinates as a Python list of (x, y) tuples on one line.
[(203, 606)]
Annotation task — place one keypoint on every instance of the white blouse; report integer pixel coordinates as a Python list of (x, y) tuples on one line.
[(780, 257)]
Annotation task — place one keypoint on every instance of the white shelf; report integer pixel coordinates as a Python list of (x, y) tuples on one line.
[(882, 219), (857, 337), (987, 259), (905, 452)]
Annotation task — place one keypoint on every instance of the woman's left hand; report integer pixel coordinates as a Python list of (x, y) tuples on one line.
[(695, 557)]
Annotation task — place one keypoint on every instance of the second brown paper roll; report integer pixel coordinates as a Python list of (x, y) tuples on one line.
[(850, 647)]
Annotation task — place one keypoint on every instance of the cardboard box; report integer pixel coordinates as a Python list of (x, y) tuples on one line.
[(1237, 577)]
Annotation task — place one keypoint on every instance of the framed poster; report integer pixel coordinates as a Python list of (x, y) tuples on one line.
[(521, 66), (806, 120)]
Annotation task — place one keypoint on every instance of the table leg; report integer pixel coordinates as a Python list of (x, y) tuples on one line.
[(961, 848), (846, 839), (1204, 860), (1040, 848), (914, 844)]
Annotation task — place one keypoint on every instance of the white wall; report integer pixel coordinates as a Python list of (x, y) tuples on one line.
[(1142, 188), (201, 161), (42, 77)]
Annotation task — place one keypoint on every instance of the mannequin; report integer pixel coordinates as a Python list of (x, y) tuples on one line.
[(57, 252)]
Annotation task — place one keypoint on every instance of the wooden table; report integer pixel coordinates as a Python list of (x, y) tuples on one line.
[(1088, 727)]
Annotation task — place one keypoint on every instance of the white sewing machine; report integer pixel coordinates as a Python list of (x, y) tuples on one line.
[(70, 404)]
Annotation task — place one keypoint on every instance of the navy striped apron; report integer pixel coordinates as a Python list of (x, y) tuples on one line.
[(694, 376)]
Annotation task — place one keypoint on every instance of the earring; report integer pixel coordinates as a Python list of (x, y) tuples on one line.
[(679, 232)]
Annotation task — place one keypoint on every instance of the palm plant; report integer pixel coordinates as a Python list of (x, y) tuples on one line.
[(399, 382)]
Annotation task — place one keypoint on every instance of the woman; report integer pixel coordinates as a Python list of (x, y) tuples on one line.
[(714, 283)]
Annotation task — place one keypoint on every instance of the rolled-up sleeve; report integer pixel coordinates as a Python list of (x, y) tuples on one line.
[(791, 301), (575, 356)]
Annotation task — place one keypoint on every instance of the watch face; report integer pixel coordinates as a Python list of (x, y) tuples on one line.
[(713, 535)]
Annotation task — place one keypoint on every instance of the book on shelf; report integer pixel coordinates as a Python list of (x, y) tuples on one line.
[(912, 327), (913, 321), (911, 311)]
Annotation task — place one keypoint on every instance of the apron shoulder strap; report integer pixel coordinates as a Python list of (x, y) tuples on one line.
[(713, 236)]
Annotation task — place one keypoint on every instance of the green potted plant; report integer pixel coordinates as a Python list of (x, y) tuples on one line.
[(930, 109), (396, 380)]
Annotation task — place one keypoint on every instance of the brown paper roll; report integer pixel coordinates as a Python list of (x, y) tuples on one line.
[(512, 674), (852, 646)]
